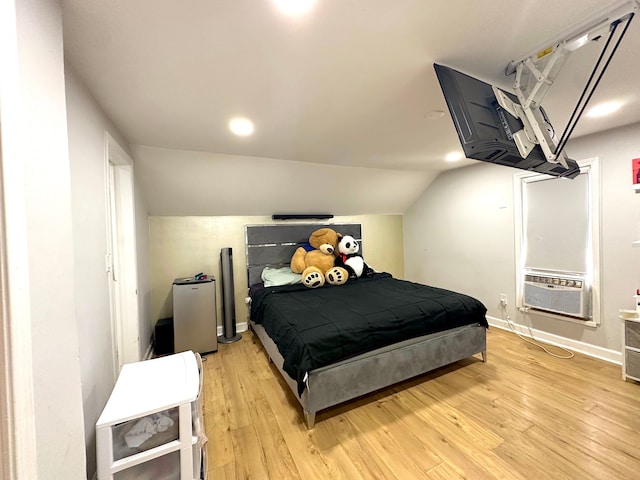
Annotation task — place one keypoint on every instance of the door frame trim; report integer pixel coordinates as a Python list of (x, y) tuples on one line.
[(125, 319)]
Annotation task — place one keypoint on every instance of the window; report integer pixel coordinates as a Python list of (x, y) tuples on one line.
[(557, 234)]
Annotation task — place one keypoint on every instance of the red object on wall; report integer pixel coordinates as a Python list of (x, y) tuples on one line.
[(635, 165)]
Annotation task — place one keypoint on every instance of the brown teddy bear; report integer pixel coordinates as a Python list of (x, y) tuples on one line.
[(317, 265)]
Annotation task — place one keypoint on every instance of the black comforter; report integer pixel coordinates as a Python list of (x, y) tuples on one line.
[(316, 327)]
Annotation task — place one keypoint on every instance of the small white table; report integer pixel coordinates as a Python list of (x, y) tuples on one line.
[(158, 401)]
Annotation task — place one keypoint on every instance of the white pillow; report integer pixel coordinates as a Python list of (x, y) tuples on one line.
[(275, 277)]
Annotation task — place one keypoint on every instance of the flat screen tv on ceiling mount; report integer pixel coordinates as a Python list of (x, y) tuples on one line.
[(486, 130)]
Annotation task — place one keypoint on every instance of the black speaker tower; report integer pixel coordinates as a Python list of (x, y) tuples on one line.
[(228, 300)]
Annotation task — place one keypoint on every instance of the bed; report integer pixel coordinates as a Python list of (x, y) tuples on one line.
[(336, 343)]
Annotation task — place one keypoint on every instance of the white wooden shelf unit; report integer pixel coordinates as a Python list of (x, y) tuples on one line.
[(152, 426)]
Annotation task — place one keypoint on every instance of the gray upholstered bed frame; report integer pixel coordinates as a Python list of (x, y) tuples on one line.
[(274, 245)]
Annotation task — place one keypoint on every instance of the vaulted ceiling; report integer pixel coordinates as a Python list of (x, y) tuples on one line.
[(342, 98)]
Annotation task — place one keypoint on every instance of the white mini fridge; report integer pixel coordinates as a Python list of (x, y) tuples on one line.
[(195, 326), (152, 427)]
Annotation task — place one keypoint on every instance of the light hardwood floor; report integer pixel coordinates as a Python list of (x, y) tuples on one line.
[(522, 415)]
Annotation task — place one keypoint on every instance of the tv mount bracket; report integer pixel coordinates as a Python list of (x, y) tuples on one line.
[(535, 74)]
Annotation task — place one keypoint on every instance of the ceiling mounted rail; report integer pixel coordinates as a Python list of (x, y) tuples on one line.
[(535, 74)]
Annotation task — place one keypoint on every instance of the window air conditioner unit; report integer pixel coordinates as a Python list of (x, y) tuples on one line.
[(561, 293)]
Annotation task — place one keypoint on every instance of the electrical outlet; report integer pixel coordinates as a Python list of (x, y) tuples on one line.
[(503, 298)]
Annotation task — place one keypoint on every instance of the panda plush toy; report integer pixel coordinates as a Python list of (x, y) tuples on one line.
[(349, 258)]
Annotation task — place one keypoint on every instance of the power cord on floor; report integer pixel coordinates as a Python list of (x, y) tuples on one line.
[(505, 316)]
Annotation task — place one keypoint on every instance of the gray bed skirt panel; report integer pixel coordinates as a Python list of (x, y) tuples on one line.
[(349, 379)]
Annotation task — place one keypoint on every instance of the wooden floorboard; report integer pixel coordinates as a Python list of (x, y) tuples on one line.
[(522, 415)]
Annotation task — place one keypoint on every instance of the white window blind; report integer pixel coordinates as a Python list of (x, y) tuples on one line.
[(557, 224)]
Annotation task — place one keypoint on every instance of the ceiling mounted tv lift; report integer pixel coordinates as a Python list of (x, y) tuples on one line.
[(535, 74)]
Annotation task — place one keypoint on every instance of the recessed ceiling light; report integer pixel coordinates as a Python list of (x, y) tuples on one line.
[(294, 7), (241, 126), (603, 109), (454, 156)]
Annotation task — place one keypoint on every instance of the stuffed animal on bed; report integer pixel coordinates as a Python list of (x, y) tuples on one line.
[(350, 258), (317, 265)]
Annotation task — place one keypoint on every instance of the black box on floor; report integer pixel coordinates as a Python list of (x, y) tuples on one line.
[(163, 344)]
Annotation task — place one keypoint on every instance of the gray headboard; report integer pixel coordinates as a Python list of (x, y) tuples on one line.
[(274, 244)]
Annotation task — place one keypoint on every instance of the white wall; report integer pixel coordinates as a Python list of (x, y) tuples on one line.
[(182, 182), (458, 236), (87, 126), (40, 244), (620, 225), (54, 184)]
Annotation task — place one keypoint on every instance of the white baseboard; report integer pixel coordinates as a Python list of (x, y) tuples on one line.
[(240, 327), (611, 356)]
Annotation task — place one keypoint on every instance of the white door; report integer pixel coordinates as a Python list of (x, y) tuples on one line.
[(121, 262)]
